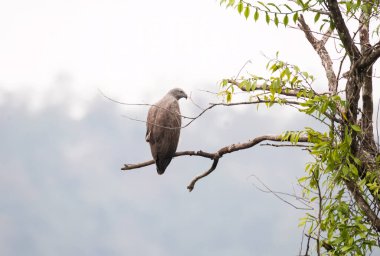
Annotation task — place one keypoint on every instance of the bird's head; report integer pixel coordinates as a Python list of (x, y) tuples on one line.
[(177, 93)]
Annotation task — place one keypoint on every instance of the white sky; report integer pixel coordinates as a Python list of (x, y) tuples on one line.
[(132, 50)]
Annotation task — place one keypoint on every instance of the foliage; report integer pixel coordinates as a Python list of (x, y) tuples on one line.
[(342, 183)]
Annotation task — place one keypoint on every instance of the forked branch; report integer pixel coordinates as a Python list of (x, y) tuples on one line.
[(218, 154), (319, 47)]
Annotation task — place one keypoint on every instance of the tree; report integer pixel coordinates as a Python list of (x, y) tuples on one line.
[(343, 182)]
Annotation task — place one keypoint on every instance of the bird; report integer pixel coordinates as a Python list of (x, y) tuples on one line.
[(164, 127)]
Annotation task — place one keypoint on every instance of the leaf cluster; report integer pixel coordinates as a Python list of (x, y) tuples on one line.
[(275, 13), (338, 224)]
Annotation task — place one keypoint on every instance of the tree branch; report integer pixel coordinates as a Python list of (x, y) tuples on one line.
[(319, 47), (182, 153), (212, 105), (367, 123), (285, 92), (363, 205), (288, 92), (216, 155), (190, 187), (140, 104), (352, 86), (371, 58), (343, 32)]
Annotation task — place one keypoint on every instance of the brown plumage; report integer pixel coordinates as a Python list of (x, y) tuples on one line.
[(164, 127)]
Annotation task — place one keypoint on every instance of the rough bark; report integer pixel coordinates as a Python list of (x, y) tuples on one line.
[(367, 122), (319, 47)]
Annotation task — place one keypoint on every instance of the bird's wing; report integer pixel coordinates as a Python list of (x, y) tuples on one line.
[(164, 124), (151, 119)]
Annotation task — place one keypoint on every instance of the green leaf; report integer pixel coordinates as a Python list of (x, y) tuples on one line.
[(356, 160), (317, 16), (228, 96), (321, 27), (289, 8), (302, 221), (348, 6), (356, 128), (224, 83), (346, 248), (267, 18), (264, 5), (295, 17), (230, 3), (276, 19), (256, 15), (345, 170), (286, 20), (246, 12), (275, 6), (274, 67), (240, 7), (354, 170), (303, 179), (313, 199), (253, 86), (246, 85), (324, 107)]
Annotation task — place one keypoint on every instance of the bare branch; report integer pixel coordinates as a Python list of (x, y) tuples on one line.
[(136, 166), (190, 187), (182, 153), (212, 105), (307, 245), (320, 207), (326, 37), (245, 64), (319, 46), (340, 70), (277, 194), (218, 154), (139, 104)]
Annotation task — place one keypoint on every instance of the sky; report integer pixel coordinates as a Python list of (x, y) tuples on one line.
[(61, 188)]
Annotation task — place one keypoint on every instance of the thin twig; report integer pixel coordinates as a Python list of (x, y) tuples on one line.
[(195, 104), (307, 245), (302, 237), (285, 145), (212, 105), (320, 198), (245, 64), (276, 194), (140, 104)]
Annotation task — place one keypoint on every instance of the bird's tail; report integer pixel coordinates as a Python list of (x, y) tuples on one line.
[(162, 165)]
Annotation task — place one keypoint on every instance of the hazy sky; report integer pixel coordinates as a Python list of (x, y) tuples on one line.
[(61, 188)]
